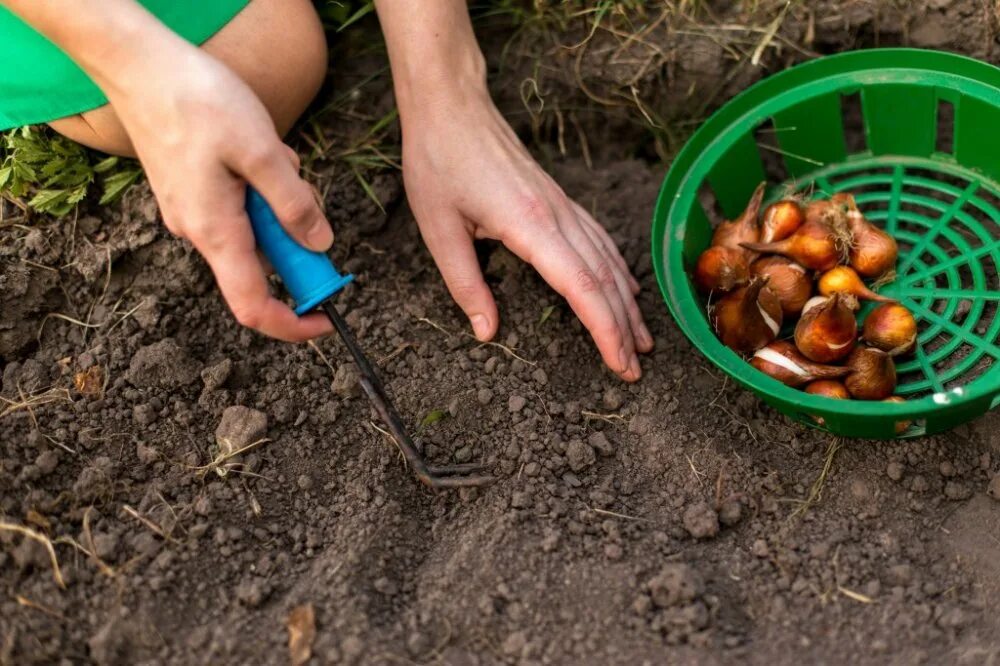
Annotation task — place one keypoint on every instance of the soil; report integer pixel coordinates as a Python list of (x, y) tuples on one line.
[(200, 482)]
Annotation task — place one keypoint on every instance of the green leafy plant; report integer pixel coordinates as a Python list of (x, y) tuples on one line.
[(55, 174)]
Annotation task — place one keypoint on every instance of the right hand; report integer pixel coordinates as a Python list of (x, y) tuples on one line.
[(202, 135)]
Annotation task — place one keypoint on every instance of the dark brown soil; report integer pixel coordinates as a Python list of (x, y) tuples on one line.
[(674, 521)]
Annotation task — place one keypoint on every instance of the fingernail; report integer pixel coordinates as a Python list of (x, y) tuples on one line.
[(634, 368), (481, 326), (320, 237), (623, 361), (647, 337)]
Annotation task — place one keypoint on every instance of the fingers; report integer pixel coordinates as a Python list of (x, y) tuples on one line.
[(455, 257), (273, 172), (607, 244), (242, 283), (605, 272), (641, 334), (565, 270)]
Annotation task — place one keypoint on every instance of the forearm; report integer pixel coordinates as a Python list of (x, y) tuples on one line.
[(109, 39), (433, 51)]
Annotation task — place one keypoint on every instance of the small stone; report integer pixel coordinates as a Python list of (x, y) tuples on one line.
[(46, 462), (701, 521), (417, 644), (677, 584), (216, 375), (601, 444), (894, 471), (579, 455), (539, 376), (613, 398), (484, 396), (919, 484), (147, 455), (162, 365), (759, 548), (993, 490), (957, 491), (899, 575), (144, 414), (304, 482), (520, 499), (251, 592), (345, 381), (514, 644), (516, 403), (386, 586), (464, 454), (731, 512), (240, 426), (947, 470), (613, 552)]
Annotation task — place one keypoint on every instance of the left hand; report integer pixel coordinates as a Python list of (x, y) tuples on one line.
[(469, 177)]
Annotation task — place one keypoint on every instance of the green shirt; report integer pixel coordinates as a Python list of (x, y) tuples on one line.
[(39, 83)]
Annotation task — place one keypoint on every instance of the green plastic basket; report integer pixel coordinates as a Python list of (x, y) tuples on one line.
[(925, 166)]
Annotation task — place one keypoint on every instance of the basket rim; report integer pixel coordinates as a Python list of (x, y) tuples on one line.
[(742, 110)]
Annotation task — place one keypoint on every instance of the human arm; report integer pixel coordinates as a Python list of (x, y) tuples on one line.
[(201, 134), (469, 177)]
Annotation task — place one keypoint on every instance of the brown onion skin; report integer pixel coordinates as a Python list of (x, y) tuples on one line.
[(815, 245), (901, 426), (845, 279), (892, 328), (829, 388), (827, 332), (813, 371), (721, 269), (873, 374), (740, 324), (788, 281), (873, 252), (781, 220), (744, 229)]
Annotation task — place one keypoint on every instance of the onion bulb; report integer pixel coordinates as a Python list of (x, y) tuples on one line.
[(891, 328), (788, 281), (782, 361), (748, 318), (873, 374), (845, 279), (829, 388), (827, 331), (743, 229), (873, 252), (820, 243), (721, 269), (901, 426), (781, 220)]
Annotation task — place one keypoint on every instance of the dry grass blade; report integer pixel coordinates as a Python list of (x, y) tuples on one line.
[(857, 596), (226, 453), (301, 623), (816, 491), (28, 603), (153, 527), (45, 541), (30, 401)]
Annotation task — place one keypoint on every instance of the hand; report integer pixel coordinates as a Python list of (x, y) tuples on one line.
[(202, 135), (468, 177)]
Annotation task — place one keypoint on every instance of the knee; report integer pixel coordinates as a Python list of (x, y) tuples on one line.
[(99, 129)]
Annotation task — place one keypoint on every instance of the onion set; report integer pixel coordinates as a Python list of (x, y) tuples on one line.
[(748, 318), (807, 264), (891, 328)]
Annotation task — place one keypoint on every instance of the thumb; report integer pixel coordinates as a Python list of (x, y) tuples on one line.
[(455, 257), (274, 174)]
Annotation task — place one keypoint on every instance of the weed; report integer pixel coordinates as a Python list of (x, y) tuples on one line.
[(55, 174)]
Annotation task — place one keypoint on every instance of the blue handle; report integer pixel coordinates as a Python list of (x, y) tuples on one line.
[(310, 277)]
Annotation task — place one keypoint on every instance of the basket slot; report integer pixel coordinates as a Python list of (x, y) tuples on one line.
[(811, 134), (736, 174), (945, 127), (900, 119), (977, 141)]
